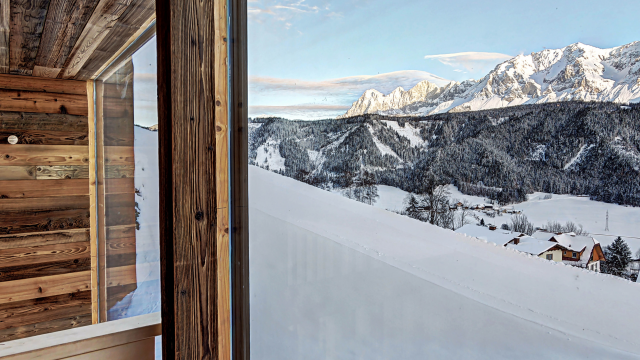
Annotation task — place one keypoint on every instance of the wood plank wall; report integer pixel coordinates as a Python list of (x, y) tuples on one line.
[(44, 206)]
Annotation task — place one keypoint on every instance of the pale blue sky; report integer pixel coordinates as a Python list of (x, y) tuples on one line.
[(291, 42)]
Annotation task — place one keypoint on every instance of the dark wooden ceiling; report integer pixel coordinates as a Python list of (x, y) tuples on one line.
[(67, 39)]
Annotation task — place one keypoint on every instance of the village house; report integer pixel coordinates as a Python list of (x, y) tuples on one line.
[(571, 249), (581, 251)]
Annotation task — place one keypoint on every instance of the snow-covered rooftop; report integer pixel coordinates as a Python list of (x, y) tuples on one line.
[(498, 236), (531, 245)]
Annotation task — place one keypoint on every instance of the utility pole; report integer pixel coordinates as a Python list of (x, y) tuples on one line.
[(606, 227)]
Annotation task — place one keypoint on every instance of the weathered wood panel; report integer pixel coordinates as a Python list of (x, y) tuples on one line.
[(45, 327), (34, 288), (20, 272), (27, 23), (36, 189), (64, 23), (119, 171), (39, 310), (93, 205), (42, 254), (5, 21), (131, 20), (25, 155), (45, 137), (120, 185), (119, 155), (17, 173), (32, 101), (38, 84), (115, 216), (121, 246), (189, 204), (102, 20), (42, 122), (13, 241), (12, 222), (48, 203), (62, 172)]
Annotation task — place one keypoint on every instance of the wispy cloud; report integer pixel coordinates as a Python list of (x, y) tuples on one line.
[(285, 11), (472, 61), (353, 85), (299, 112)]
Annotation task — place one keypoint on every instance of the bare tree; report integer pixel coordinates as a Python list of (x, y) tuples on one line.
[(463, 215), (520, 223)]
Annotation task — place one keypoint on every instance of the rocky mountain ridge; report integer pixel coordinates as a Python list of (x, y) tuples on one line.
[(577, 72)]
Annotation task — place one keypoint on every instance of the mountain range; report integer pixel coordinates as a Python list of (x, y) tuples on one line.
[(577, 72)]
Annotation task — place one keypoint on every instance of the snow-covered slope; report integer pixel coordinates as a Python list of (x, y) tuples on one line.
[(333, 278), (576, 72)]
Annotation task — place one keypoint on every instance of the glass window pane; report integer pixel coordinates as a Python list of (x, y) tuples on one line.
[(437, 179), (131, 230)]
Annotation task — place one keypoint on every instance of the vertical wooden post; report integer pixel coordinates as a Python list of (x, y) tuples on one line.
[(193, 131), (93, 220)]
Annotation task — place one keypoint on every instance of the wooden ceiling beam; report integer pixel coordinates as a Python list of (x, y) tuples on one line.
[(27, 22), (104, 18), (131, 25), (64, 23)]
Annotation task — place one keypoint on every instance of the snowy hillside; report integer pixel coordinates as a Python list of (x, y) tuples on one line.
[(334, 278), (576, 72)]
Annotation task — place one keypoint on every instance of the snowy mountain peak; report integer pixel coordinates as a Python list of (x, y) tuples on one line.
[(576, 72)]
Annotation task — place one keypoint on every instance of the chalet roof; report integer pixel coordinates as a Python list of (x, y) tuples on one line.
[(543, 235), (531, 245), (498, 236), (578, 243)]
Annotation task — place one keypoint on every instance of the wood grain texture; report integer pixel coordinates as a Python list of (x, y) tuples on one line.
[(102, 20), (119, 185), (64, 23), (119, 155), (119, 171), (45, 327), (121, 246), (42, 122), (93, 204), (62, 172), (17, 173), (28, 189), (13, 241), (20, 272), (140, 350), (44, 137), (27, 23), (38, 84), (43, 309), (34, 288), (136, 16), (41, 71), (188, 155), (25, 155), (46, 203), (5, 21), (41, 102), (223, 267), (12, 222), (42, 254)]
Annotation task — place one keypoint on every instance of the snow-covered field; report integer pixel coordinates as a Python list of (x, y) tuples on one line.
[(332, 278), (624, 221)]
